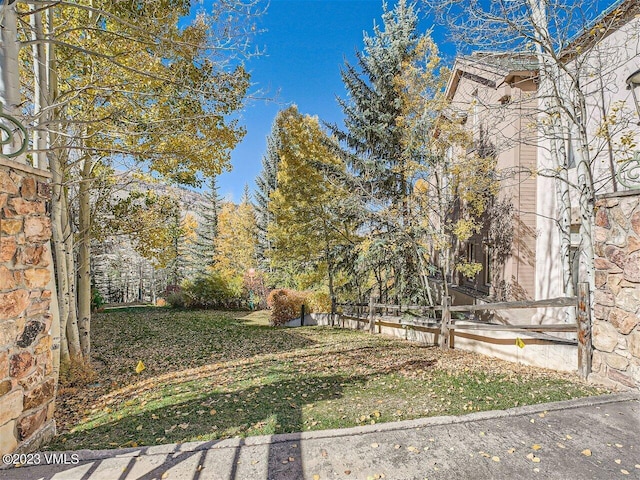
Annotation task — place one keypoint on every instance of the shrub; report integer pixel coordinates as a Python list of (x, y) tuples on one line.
[(285, 305), (210, 291), (97, 302), (177, 300)]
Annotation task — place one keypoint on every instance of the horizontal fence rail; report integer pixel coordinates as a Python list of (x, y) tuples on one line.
[(551, 303), (394, 316)]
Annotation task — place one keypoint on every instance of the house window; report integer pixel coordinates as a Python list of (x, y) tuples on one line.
[(488, 265), (471, 252)]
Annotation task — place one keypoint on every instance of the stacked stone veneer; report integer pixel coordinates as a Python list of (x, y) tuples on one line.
[(27, 380), (616, 324)]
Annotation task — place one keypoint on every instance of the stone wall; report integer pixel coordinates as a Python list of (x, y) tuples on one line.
[(27, 377), (616, 323)]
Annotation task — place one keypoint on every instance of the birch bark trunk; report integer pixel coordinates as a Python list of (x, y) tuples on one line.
[(84, 257), (549, 74)]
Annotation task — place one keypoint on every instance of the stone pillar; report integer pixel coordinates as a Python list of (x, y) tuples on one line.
[(616, 326), (27, 377)]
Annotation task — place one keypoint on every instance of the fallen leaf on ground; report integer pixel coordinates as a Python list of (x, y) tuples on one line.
[(536, 447), (140, 366), (586, 452)]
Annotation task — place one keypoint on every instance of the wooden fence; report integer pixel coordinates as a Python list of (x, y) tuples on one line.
[(438, 319)]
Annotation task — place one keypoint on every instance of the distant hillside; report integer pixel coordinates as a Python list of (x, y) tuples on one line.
[(119, 273), (190, 200)]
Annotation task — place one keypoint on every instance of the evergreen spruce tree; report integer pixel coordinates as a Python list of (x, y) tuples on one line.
[(246, 196), (375, 146), (203, 250)]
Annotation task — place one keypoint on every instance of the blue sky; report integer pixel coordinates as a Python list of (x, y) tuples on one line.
[(305, 43)]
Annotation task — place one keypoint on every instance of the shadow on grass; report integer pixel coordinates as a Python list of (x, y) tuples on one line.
[(272, 408), (210, 416)]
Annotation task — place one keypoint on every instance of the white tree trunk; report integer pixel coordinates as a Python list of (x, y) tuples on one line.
[(84, 257), (73, 335), (9, 79), (549, 76), (40, 88), (62, 275)]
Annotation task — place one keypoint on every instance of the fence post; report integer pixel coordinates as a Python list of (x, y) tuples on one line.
[(446, 322), (372, 322), (302, 315), (584, 330)]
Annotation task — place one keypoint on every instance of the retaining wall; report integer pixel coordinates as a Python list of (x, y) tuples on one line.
[(539, 350)]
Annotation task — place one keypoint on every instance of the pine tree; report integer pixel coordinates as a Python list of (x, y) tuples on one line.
[(376, 148), (246, 196), (203, 250)]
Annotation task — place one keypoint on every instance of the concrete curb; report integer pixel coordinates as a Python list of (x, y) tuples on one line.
[(89, 455)]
